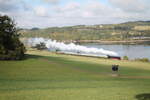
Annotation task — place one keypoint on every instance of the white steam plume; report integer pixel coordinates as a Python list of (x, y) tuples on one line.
[(54, 45)]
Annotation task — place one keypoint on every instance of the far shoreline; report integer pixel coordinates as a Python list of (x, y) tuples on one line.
[(109, 42), (105, 42)]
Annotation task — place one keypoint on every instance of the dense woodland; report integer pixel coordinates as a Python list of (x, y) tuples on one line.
[(123, 31)]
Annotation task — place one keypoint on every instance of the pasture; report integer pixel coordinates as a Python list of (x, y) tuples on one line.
[(49, 76)]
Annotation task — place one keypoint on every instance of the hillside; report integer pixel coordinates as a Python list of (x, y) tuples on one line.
[(123, 31)]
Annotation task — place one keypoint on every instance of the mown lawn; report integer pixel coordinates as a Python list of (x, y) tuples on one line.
[(49, 76)]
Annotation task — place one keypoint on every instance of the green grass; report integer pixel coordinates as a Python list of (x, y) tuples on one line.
[(49, 76)]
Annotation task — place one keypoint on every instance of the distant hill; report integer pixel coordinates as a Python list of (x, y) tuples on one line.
[(123, 31)]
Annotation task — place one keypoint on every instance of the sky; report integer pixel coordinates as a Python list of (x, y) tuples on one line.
[(51, 13)]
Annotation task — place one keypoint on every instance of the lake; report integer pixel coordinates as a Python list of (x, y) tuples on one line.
[(132, 51)]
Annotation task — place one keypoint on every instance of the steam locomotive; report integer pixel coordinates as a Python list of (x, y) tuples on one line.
[(114, 57)]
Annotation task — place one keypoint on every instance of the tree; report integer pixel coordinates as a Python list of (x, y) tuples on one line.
[(125, 58), (40, 46), (10, 46)]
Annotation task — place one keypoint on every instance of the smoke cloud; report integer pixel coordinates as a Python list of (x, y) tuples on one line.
[(70, 48)]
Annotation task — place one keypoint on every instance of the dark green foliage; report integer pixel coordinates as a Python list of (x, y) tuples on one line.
[(10, 46), (40, 46), (57, 50), (125, 58)]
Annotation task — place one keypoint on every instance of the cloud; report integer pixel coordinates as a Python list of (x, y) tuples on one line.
[(92, 12), (70, 7), (55, 13), (90, 9), (12, 5), (136, 6), (41, 11), (52, 1), (95, 9), (7, 5)]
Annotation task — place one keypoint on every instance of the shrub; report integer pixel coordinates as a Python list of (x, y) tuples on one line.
[(40, 46), (125, 58), (57, 50), (142, 59)]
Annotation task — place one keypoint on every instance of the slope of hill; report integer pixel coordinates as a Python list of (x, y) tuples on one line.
[(123, 31), (49, 76)]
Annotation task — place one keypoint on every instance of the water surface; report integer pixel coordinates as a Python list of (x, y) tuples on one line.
[(132, 51)]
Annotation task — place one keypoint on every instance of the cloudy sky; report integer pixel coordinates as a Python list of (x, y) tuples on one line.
[(49, 13)]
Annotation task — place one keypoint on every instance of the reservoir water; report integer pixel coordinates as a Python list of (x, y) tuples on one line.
[(132, 51)]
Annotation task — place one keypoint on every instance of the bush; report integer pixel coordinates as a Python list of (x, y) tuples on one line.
[(40, 46), (125, 58), (10, 46), (57, 50), (142, 59)]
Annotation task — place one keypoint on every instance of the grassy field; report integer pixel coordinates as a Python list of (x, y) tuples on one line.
[(50, 76)]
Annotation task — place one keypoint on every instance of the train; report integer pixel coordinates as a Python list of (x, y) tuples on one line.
[(113, 57), (91, 55)]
